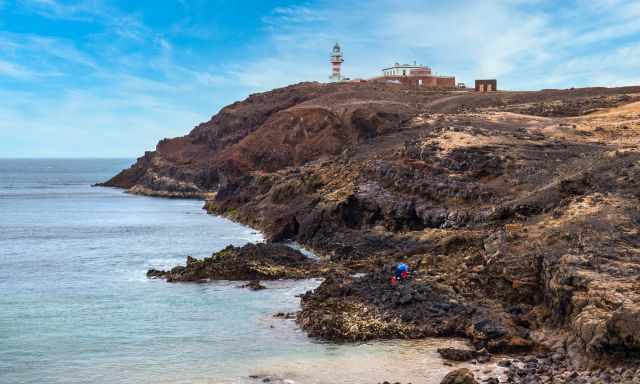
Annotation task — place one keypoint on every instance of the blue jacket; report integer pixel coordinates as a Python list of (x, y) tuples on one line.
[(402, 267)]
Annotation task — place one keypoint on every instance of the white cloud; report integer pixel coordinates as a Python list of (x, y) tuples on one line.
[(117, 97), (491, 39), (15, 71), (295, 14), (30, 58), (186, 28), (55, 9), (486, 39), (126, 26), (522, 43), (89, 123), (613, 67), (60, 48)]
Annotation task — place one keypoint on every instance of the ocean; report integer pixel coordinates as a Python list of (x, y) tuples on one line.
[(76, 306)]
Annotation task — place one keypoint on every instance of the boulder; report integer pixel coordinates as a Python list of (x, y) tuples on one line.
[(456, 354), (459, 376), (254, 285)]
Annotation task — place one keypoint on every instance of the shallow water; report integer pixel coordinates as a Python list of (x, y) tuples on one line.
[(76, 306)]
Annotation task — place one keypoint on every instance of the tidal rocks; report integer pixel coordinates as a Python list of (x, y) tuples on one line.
[(456, 354), (254, 285), (369, 307), (542, 369), (498, 332), (285, 315), (271, 379), (459, 376), (250, 262)]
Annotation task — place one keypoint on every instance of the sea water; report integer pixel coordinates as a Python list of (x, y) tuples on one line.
[(76, 306)]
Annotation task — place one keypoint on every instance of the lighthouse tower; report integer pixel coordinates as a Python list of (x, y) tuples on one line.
[(336, 63)]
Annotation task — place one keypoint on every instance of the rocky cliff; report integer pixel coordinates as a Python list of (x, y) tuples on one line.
[(518, 211)]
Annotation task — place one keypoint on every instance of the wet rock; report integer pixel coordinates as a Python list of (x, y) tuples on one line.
[(250, 262), (285, 315), (369, 307), (254, 285), (456, 354), (154, 274), (504, 363), (487, 329), (459, 376), (483, 358)]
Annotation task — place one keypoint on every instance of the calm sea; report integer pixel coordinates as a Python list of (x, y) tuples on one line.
[(76, 307)]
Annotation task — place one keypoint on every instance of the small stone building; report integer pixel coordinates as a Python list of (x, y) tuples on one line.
[(486, 85)]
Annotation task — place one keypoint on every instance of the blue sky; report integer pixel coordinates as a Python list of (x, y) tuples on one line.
[(109, 78)]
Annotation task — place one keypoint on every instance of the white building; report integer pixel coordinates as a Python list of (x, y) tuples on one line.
[(407, 70)]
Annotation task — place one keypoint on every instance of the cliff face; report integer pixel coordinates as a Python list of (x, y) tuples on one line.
[(267, 132), (293, 125), (517, 211)]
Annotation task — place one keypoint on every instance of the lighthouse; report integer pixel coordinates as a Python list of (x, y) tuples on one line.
[(336, 63)]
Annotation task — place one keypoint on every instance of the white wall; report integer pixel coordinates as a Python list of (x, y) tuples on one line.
[(397, 71)]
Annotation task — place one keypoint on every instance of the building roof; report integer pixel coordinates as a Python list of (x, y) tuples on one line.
[(407, 66)]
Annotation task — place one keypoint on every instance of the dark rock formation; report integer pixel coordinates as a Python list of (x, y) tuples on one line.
[(459, 376), (250, 262), (455, 354), (367, 307), (285, 315), (254, 285)]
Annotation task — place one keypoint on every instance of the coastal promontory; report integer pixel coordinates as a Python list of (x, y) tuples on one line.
[(518, 212)]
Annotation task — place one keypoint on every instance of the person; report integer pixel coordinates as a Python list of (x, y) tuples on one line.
[(402, 273)]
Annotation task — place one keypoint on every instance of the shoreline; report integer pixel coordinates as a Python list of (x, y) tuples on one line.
[(485, 370)]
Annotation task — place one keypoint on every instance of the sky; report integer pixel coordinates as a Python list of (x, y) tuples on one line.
[(109, 78)]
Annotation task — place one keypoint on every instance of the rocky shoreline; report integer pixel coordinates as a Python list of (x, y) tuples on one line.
[(517, 212), (558, 359)]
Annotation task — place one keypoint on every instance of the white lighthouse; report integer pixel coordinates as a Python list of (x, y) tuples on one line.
[(336, 63)]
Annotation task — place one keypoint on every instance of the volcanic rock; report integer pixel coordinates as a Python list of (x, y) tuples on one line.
[(254, 285), (459, 376), (456, 354), (250, 262)]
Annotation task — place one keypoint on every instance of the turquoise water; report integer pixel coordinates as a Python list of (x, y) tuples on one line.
[(76, 307)]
